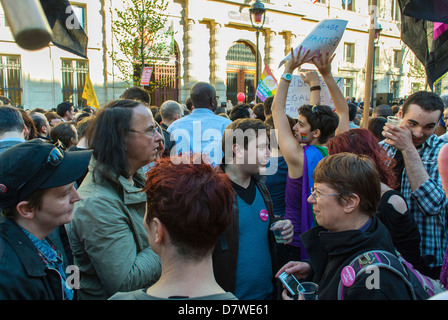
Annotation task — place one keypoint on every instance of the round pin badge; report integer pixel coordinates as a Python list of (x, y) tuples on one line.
[(3, 188), (264, 215), (348, 276)]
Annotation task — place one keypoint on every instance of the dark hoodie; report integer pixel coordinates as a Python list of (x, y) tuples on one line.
[(330, 252)]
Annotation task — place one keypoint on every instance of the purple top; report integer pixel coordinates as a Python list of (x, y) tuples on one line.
[(293, 210)]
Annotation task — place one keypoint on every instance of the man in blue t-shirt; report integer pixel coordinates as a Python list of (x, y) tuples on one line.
[(244, 258), (202, 130)]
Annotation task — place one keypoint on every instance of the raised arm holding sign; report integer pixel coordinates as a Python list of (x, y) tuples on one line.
[(304, 148), (323, 38)]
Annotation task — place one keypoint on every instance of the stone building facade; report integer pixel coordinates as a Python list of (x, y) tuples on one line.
[(214, 42)]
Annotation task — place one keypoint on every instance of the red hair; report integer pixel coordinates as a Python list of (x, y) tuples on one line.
[(363, 142), (193, 200)]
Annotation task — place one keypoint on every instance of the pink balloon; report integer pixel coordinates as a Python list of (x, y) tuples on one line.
[(241, 96)]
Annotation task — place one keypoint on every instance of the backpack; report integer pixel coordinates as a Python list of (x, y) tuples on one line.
[(420, 286)]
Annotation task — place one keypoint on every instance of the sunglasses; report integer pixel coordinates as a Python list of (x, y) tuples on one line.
[(315, 109)]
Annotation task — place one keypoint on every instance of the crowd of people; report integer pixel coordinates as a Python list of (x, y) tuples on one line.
[(137, 202)]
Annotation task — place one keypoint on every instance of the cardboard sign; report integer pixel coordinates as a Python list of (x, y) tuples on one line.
[(299, 94), (325, 37), (146, 76)]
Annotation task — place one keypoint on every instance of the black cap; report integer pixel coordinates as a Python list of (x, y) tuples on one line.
[(32, 165)]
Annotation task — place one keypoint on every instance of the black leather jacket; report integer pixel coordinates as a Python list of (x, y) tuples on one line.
[(23, 274)]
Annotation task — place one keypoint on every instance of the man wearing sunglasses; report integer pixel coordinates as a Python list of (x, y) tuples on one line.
[(37, 196)]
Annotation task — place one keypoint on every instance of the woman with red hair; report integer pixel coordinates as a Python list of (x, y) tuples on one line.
[(392, 211), (189, 204)]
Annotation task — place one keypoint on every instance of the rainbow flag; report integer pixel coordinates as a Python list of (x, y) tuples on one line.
[(267, 85)]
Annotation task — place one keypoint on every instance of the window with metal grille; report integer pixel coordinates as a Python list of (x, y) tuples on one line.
[(240, 52), (80, 11), (348, 87), (73, 78), (377, 56), (348, 5), (349, 52), (10, 82), (395, 11), (398, 57)]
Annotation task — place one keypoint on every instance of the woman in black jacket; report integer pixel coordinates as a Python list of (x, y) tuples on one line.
[(392, 210), (37, 196), (345, 196)]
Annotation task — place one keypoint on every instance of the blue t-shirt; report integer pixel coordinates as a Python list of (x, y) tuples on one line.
[(276, 184), (254, 268), (200, 132)]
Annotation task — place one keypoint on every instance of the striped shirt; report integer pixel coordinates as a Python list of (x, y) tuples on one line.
[(428, 204)]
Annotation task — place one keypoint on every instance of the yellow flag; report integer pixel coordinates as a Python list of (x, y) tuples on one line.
[(89, 94)]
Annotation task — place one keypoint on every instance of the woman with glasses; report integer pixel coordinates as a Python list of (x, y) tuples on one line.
[(303, 148), (190, 204), (345, 196), (107, 235), (393, 211)]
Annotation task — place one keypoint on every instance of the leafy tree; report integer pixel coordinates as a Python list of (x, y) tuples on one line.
[(140, 31)]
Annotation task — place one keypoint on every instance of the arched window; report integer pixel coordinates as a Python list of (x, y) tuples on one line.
[(241, 66)]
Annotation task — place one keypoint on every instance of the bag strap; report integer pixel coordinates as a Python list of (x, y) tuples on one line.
[(378, 258)]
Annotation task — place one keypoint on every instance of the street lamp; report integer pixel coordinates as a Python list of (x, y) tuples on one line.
[(375, 41), (257, 18)]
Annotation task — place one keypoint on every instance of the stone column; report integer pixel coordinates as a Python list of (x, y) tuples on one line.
[(217, 62), (274, 49), (188, 61)]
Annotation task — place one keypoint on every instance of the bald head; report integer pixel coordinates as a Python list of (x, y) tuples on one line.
[(203, 95)]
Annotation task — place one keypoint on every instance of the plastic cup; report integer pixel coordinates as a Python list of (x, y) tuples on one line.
[(309, 292), (394, 120), (277, 228)]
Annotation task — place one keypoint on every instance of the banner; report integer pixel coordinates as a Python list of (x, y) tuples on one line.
[(89, 94), (430, 10), (299, 94), (323, 38), (426, 38), (267, 85), (68, 33)]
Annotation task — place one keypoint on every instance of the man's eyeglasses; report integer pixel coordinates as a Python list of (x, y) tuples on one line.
[(148, 132), (316, 194), (54, 159)]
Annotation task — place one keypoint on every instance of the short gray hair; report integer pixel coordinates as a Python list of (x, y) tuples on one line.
[(169, 109)]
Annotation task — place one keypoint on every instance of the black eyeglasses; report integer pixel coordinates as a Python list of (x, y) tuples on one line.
[(54, 159)]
